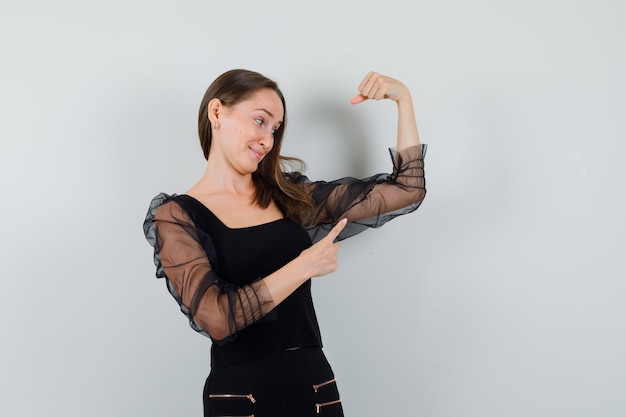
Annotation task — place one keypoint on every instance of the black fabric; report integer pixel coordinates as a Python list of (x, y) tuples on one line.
[(215, 273), (244, 255), (295, 383), (369, 202)]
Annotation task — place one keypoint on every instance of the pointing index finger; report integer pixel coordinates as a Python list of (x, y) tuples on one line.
[(334, 232)]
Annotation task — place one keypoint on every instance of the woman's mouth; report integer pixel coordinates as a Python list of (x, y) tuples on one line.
[(257, 154)]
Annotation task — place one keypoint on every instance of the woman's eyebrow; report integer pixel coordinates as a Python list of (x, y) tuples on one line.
[(269, 113)]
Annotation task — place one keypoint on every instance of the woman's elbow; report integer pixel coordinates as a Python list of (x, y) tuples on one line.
[(414, 196), (218, 328)]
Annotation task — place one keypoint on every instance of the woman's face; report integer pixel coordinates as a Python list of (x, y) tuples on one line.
[(246, 132)]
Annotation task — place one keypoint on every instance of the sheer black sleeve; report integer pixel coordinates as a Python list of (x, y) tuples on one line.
[(369, 202), (184, 255)]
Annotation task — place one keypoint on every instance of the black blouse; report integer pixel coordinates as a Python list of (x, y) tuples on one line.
[(215, 272)]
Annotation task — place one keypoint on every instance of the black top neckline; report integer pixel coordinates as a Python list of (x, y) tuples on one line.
[(208, 210)]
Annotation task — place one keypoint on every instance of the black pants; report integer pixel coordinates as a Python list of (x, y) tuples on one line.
[(292, 383)]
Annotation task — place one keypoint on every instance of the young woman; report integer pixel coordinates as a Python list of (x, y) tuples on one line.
[(239, 248)]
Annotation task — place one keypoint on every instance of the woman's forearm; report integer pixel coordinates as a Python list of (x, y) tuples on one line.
[(407, 125)]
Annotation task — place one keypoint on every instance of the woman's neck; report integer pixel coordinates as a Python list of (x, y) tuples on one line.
[(220, 178)]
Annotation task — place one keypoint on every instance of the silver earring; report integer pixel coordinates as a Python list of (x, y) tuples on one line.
[(216, 125)]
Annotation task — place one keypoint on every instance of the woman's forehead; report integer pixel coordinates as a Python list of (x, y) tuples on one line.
[(266, 100)]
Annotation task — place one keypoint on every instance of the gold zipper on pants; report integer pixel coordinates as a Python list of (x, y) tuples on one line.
[(323, 384), (319, 406), (247, 396)]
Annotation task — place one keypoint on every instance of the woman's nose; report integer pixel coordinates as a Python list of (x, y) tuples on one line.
[(267, 139)]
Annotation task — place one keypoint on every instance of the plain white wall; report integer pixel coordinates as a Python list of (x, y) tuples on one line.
[(503, 295)]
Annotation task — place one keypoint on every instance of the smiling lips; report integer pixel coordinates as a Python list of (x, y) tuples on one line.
[(259, 155)]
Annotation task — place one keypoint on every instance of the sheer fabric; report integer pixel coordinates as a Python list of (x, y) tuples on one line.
[(185, 255), (369, 202)]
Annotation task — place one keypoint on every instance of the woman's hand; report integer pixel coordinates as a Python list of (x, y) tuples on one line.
[(321, 258), (377, 87)]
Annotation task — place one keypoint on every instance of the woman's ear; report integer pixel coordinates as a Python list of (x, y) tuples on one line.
[(214, 110)]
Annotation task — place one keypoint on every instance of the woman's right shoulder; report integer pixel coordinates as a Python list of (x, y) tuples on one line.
[(165, 202), (163, 198), (160, 198)]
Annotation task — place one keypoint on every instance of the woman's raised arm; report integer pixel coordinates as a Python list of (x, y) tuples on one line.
[(378, 87)]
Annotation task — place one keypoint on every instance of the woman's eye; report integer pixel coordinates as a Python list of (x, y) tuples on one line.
[(259, 121)]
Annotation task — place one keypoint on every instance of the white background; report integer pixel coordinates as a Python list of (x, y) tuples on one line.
[(504, 295)]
